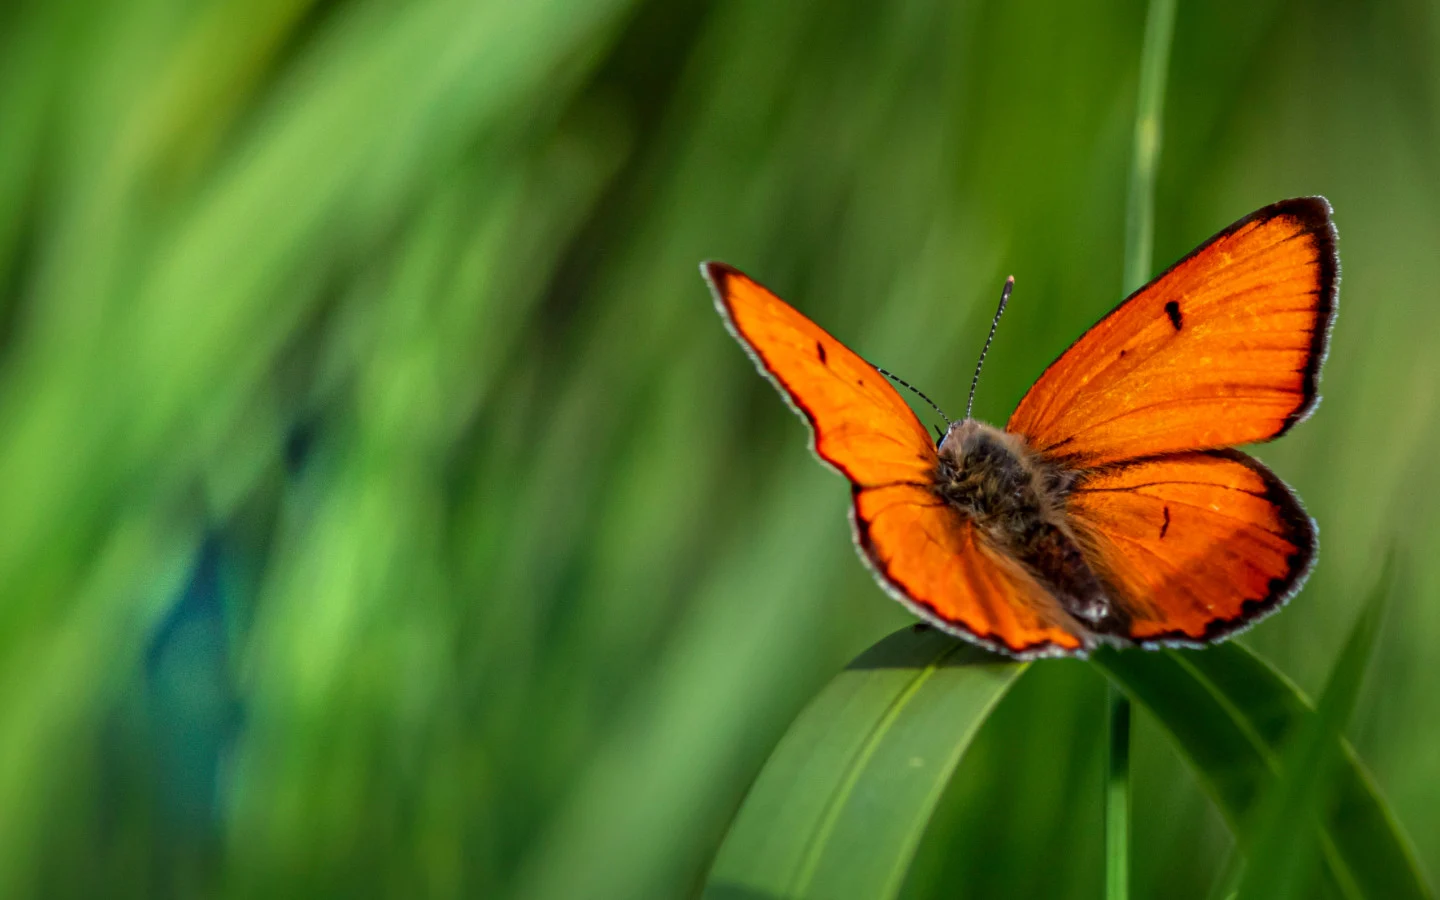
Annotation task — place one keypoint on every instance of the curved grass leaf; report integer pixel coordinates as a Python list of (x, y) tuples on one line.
[(841, 804), (1233, 716), (1282, 833)]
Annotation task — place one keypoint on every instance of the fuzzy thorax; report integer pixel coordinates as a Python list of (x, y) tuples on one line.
[(1017, 500)]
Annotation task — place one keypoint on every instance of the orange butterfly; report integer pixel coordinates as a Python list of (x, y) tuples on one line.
[(1111, 509)]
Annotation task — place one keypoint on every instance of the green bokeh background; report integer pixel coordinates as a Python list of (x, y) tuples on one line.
[(385, 512)]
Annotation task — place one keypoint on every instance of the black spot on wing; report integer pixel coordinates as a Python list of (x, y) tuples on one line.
[(1172, 309), (1165, 526), (820, 352)]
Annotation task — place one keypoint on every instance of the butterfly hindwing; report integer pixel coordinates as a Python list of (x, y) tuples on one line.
[(933, 559), (1194, 545), (1223, 349)]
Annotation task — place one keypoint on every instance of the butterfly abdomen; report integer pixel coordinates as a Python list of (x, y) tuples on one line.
[(1018, 502)]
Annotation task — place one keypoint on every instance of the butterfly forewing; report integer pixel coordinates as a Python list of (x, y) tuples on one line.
[(1223, 349), (861, 425)]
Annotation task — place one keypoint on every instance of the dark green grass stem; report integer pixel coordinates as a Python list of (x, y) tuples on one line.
[(1140, 202), (1117, 798), (1139, 243)]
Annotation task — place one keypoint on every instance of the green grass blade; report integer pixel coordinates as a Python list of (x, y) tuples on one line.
[(1117, 797), (1140, 203), (1369, 841), (1282, 850), (1231, 714), (1139, 242), (841, 804)]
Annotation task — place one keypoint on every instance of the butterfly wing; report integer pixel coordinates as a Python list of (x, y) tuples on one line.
[(1223, 349), (935, 561), (924, 553), (1195, 545), (861, 426)]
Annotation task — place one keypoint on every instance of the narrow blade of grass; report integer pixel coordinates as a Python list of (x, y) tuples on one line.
[(1230, 713), (1117, 797), (841, 804), (1282, 845), (1139, 241), (1149, 111)]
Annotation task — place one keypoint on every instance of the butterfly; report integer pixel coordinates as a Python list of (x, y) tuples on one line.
[(1112, 508)]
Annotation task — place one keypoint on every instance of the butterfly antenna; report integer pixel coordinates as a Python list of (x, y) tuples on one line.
[(903, 383), (994, 323)]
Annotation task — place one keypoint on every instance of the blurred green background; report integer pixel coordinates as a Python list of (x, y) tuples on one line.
[(384, 510)]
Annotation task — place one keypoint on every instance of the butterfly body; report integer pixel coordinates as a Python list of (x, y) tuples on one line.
[(1112, 507), (1016, 498)]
